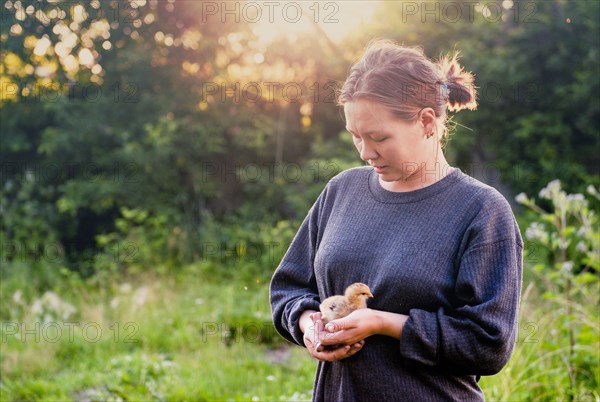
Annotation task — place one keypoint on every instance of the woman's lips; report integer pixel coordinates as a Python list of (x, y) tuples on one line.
[(379, 169)]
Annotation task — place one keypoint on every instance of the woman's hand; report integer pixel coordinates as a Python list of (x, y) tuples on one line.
[(353, 328), (360, 324), (313, 335)]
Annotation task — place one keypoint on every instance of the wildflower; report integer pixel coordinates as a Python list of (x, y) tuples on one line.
[(56, 305), (52, 300), (521, 198), (36, 307), (550, 190), (581, 247), (140, 296), (125, 288), (537, 231), (575, 197), (114, 303), (576, 202), (17, 297), (560, 201), (567, 266)]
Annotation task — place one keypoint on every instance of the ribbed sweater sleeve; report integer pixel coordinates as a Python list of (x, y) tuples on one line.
[(293, 288), (474, 338)]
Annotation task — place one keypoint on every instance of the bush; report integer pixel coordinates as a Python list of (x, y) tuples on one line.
[(567, 237)]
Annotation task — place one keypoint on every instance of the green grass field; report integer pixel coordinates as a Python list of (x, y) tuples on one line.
[(187, 337)]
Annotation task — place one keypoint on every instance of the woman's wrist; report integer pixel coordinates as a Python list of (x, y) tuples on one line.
[(305, 320), (389, 324)]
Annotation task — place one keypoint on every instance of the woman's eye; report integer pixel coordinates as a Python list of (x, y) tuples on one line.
[(379, 139)]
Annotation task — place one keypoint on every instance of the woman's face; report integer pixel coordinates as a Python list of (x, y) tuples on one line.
[(397, 149)]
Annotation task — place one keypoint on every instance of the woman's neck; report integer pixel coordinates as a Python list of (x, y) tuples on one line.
[(425, 175)]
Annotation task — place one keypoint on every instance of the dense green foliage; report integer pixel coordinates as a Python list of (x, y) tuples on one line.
[(156, 163), (154, 121)]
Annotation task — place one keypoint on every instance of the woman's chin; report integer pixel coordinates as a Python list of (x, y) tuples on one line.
[(386, 175)]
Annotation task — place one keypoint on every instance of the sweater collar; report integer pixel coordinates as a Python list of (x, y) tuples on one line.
[(391, 197)]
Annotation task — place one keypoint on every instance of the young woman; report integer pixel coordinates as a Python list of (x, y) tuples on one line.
[(440, 251)]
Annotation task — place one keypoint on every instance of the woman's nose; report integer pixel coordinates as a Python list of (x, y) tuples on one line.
[(367, 152)]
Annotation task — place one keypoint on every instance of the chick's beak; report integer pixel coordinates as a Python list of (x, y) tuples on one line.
[(370, 295)]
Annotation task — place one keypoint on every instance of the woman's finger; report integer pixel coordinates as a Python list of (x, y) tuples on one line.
[(338, 353), (355, 348), (332, 355)]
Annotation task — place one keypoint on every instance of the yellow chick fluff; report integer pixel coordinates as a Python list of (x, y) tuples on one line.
[(355, 297)]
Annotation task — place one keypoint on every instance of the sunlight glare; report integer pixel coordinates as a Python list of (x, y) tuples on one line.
[(336, 19), (86, 58), (42, 46)]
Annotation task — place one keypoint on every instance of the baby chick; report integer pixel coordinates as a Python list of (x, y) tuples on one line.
[(355, 297)]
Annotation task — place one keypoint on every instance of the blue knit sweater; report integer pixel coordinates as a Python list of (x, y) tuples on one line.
[(448, 255)]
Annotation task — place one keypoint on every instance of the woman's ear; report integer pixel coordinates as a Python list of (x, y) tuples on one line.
[(427, 119)]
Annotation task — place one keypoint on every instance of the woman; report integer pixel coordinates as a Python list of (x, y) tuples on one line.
[(440, 251)]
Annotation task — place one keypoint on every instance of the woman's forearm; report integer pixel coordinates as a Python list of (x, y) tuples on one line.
[(379, 322), (389, 324)]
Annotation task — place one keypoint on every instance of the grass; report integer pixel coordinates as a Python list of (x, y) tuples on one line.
[(153, 338), (192, 336), (538, 368)]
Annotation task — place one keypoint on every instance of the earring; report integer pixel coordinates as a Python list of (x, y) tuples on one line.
[(429, 134)]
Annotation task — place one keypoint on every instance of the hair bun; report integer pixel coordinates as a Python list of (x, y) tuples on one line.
[(462, 93)]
